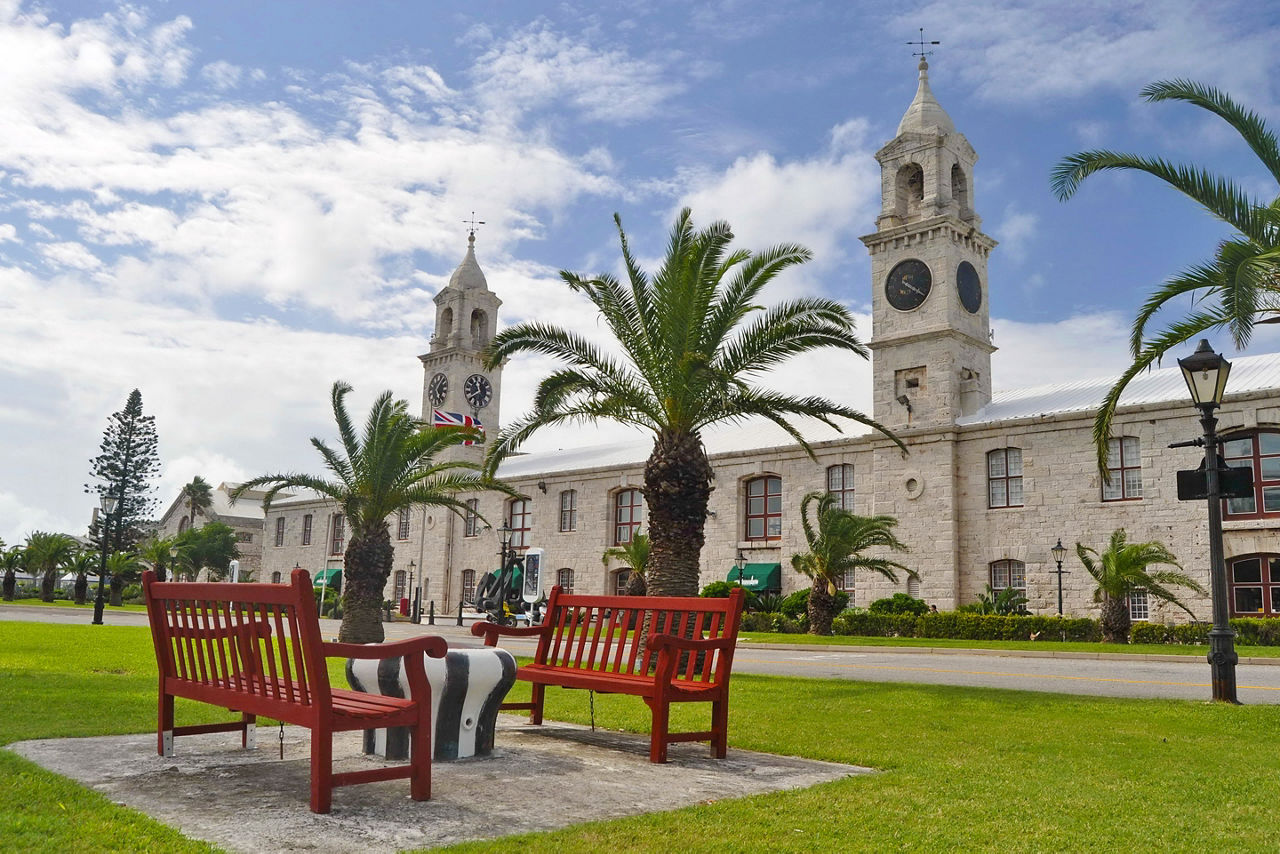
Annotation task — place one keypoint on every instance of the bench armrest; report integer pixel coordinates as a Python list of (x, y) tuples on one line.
[(492, 631), (658, 643), (432, 645)]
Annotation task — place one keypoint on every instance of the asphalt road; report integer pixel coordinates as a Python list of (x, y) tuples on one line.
[(1164, 677)]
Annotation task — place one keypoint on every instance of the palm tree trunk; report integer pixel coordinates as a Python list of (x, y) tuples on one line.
[(117, 588), (366, 566), (81, 588), (822, 607), (1115, 620), (677, 486), (10, 585), (47, 583)]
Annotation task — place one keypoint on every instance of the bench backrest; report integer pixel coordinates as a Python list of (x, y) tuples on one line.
[(603, 633), (258, 640)]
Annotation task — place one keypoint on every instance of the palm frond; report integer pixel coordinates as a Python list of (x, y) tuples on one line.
[(1246, 122)]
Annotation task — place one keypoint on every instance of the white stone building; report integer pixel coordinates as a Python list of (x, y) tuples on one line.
[(244, 517), (990, 484)]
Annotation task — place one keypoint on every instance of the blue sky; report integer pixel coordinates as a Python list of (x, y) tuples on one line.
[(230, 205)]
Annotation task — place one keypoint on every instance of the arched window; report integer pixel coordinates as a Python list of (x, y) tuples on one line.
[(960, 189), (1008, 573), (840, 485), (275, 577), (445, 327), (909, 189), (1255, 585), (1004, 477), (183, 524), (1124, 463), (400, 586), (479, 327), (1260, 452), (620, 580), (519, 520), (628, 515), (764, 508), (469, 586), (564, 578)]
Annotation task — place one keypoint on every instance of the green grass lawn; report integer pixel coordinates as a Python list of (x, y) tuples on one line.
[(1038, 646), (67, 603), (960, 769)]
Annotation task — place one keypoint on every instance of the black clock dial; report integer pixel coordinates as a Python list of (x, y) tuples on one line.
[(908, 284), (477, 391), (969, 285), (437, 389)]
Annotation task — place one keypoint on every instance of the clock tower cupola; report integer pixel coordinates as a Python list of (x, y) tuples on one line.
[(931, 331), (454, 377)]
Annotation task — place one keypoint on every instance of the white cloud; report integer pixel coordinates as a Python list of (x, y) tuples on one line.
[(72, 255), (8, 233), (222, 75), (1016, 232)]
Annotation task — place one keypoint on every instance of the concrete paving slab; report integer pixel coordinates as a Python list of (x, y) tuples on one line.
[(538, 778)]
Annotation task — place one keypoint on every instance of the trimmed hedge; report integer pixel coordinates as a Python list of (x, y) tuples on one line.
[(951, 624), (1250, 631)]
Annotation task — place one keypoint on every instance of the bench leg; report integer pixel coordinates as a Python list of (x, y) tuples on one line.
[(720, 728), (321, 770), (164, 725), (249, 736), (420, 755), (535, 714), (658, 731)]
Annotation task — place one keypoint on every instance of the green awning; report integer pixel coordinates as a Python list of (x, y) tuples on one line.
[(328, 577), (759, 577)]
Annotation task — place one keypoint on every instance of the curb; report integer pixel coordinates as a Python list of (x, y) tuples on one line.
[(1006, 653)]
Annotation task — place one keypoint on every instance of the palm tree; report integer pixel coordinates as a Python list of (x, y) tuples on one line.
[(82, 563), (46, 553), (155, 554), (198, 495), (122, 568), (692, 338), (11, 561), (635, 554), (1241, 285), (372, 477), (836, 545), (1122, 570)]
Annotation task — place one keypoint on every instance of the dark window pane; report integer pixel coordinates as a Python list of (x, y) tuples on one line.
[(1246, 571), (1248, 600)]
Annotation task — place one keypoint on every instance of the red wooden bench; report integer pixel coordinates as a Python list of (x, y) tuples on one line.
[(593, 642), (256, 649)]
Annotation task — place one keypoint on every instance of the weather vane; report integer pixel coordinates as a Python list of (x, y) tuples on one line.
[(472, 223), (922, 44)]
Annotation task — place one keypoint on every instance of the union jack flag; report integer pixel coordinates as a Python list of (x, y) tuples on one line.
[(440, 418)]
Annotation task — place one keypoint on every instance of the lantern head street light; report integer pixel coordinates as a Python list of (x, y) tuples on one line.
[(108, 504), (741, 564), (1059, 552), (1206, 374), (413, 594)]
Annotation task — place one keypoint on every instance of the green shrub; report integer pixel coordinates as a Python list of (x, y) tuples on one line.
[(796, 604), (874, 625), (899, 603), (721, 590), (1250, 631), (768, 603), (967, 626)]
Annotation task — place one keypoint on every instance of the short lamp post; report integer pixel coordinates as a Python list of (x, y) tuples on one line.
[(173, 563), (740, 563), (109, 503), (1059, 552), (1206, 374)]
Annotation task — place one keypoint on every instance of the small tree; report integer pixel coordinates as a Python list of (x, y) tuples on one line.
[(122, 568), (11, 561), (198, 496), (47, 553), (211, 547), (127, 462), (1123, 569), (635, 555), (154, 552), (82, 563), (837, 540)]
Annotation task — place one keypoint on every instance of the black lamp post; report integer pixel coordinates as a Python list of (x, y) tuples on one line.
[(741, 562), (1059, 552), (413, 594), (1206, 374), (108, 502)]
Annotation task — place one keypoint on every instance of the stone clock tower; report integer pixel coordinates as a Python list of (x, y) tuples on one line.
[(455, 380), (931, 333)]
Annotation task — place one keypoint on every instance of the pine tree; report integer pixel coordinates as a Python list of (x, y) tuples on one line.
[(127, 463)]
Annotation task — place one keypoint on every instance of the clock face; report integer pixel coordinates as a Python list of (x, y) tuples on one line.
[(970, 287), (477, 391), (908, 284), (437, 389)]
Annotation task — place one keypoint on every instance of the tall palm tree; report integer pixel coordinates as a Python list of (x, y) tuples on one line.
[(155, 554), (635, 554), (1241, 285), (1123, 569), (11, 561), (692, 337), (46, 553), (82, 563), (837, 540), (392, 466), (198, 495)]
